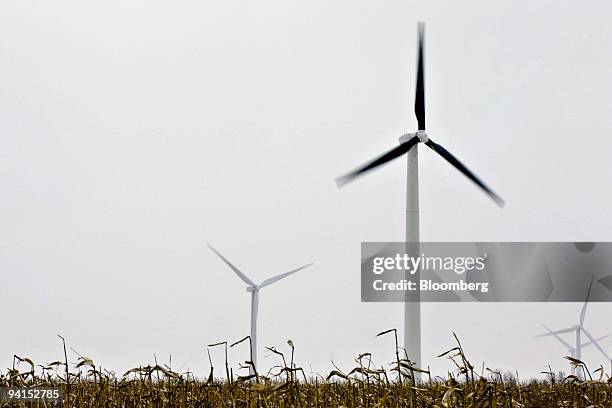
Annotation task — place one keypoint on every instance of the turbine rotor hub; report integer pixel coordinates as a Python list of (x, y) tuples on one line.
[(423, 136)]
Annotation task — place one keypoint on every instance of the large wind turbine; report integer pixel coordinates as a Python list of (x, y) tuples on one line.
[(408, 145), (254, 289), (576, 351)]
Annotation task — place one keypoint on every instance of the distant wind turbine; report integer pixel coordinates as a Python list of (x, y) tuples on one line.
[(571, 349), (408, 146), (254, 289), (576, 350)]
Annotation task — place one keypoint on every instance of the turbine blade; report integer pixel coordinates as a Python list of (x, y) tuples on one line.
[(236, 270), (586, 302), (387, 157), (595, 343), (551, 333), (273, 279), (588, 343), (419, 99), (459, 166)]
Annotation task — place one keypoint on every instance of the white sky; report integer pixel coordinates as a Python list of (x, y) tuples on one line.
[(133, 132)]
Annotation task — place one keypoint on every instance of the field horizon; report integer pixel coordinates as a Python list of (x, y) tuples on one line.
[(370, 383)]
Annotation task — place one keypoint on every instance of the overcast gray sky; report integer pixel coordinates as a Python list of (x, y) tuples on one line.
[(133, 132)]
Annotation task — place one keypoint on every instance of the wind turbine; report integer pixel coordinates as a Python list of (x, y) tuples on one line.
[(571, 349), (576, 351), (408, 146), (254, 288)]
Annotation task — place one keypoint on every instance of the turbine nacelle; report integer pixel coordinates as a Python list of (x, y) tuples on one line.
[(252, 288), (421, 134)]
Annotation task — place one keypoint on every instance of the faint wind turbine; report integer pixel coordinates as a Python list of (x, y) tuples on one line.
[(576, 350), (254, 289)]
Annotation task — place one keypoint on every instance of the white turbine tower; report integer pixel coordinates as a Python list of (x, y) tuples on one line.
[(254, 289), (408, 145), (576, 350)]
